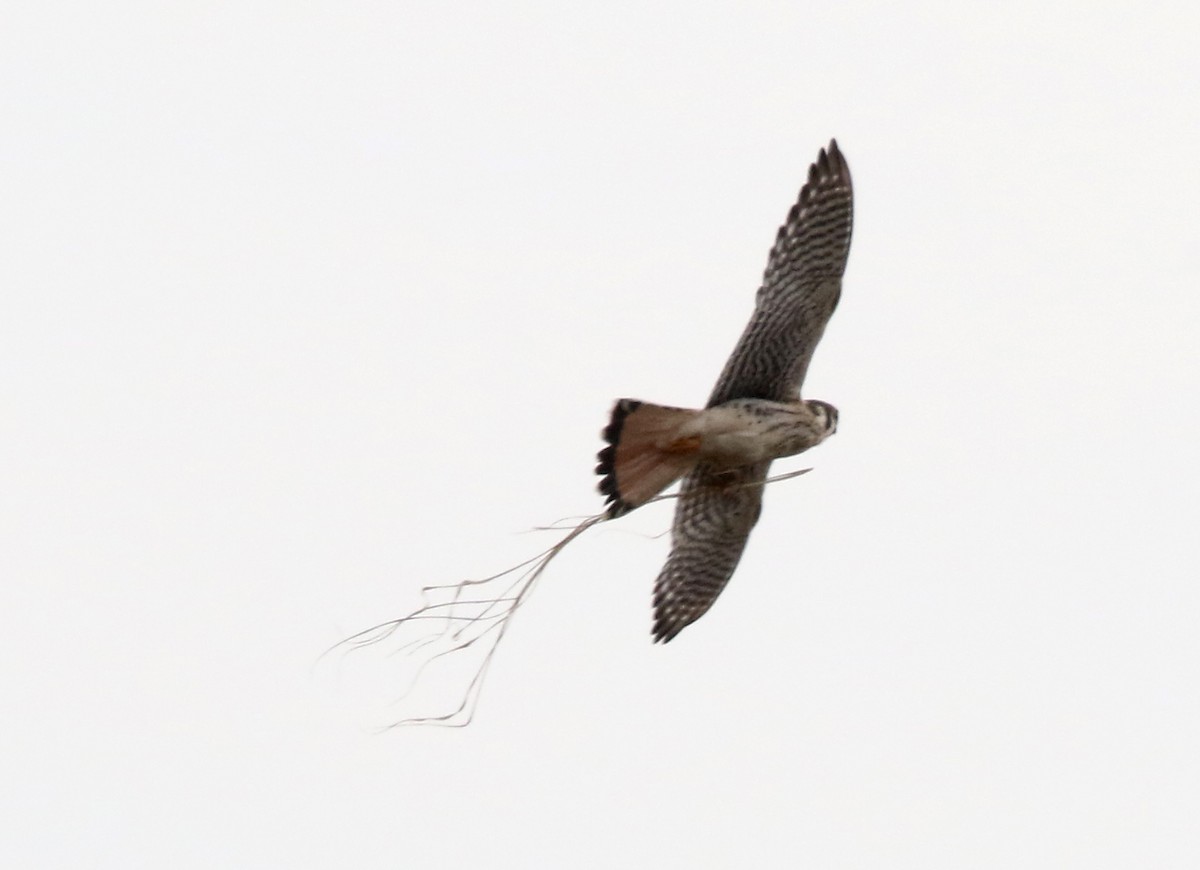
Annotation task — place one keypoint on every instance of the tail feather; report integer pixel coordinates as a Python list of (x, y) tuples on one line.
[(646, 453)]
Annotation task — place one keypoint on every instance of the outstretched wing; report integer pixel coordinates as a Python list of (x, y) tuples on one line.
[(800, 289), (713, 520)]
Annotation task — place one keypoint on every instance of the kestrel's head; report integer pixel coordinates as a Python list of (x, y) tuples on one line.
[(826, 416)]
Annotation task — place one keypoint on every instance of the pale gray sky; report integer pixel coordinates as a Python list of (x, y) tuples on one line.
[(306, 306)]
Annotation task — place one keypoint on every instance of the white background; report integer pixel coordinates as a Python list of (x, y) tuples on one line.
[(305, 306)]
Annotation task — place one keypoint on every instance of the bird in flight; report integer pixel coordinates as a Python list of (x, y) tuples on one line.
[(754, 415), (723, 452)]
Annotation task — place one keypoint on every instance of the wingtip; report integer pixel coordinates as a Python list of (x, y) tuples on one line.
[(662, 633), (830, 160), (837, 161), (670, 620)]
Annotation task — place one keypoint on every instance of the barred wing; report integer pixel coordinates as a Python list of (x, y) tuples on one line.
[(800, 289), (713, 520)]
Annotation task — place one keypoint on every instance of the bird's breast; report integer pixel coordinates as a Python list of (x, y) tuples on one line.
[(746, 431)]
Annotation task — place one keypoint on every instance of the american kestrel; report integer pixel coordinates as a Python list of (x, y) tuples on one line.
[(754, 415)]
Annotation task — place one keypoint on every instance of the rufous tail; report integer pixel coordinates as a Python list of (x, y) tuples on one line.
[(646, 453)]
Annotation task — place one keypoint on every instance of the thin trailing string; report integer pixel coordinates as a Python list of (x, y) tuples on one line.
[(478, 619)]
